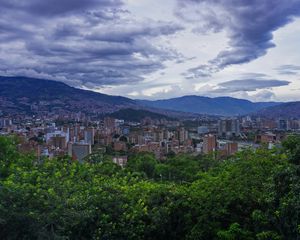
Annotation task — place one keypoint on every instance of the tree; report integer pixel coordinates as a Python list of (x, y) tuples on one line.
[(142, 162), (252, 195), (292, 147)]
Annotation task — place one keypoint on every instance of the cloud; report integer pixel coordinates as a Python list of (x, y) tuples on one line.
[(91, 42), (288, 69), (260, 89), (55, 7), (264, 95), (249, 26), (253, 75), (252, 85), (117, 33), (248, 85)]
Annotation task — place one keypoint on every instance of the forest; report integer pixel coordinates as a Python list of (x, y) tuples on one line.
[(254, 194)]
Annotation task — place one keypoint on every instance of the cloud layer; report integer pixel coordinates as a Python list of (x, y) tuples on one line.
[(250, 85), (85, 43), (152, 49), (288, 69), (248, 24)]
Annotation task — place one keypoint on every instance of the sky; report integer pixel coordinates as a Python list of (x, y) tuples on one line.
[(150, 49)]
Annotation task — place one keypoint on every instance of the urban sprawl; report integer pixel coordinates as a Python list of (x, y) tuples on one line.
[(79, 136)]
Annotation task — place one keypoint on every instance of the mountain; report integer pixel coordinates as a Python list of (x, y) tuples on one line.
[(30, 95), (226, 106), (136, 115), (21, 94), (285, 110)]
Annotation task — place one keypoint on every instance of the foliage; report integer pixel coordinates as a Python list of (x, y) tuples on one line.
[(292, 148), (253, 195), (143, 163)]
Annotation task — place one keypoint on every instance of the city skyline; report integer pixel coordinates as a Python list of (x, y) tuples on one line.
[(150, 50)]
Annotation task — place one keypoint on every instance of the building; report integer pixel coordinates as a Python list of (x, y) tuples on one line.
[(268, 124), (294, 124), (209, 143), (120, 146), (5, 122), (283, 125), (58, 141), (203, 130), (109, 123), (231, 148), (228, 128), (182, 135), (120, 160), (125, 131), (227, 148), (158, 136), (89, 136), (267, 137), (78, 151)]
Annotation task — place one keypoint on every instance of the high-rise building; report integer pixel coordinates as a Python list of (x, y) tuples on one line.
[(89, 136), (5, 122), (231, 148), (283, 124), (57, 138), (294, 124), (209, 143), (228, 128), (158, 136), (109, 123), (182, 135), (58, 141)]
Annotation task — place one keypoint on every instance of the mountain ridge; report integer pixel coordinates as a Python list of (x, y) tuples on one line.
[(23, 95), (285, 110), (206, 105)]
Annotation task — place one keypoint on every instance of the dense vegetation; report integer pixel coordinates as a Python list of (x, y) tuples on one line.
[(253, 195)]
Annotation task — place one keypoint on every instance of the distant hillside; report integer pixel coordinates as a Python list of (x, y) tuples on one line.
[(213, 106), (288, 110), (136, 115), (29, 95), (21, 94)]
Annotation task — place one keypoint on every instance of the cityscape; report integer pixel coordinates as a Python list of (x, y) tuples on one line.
[(51, 137), (149, 120)]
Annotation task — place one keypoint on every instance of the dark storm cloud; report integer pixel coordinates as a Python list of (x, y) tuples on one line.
[(248, 24), (248, 85), (54, 7), (80, 42)]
